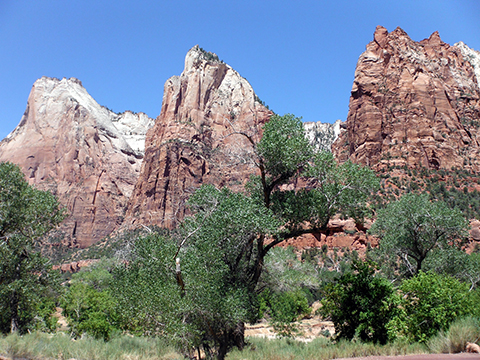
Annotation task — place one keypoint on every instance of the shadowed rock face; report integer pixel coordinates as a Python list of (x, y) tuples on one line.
[(68, 144), (412, 103), (197, 139)]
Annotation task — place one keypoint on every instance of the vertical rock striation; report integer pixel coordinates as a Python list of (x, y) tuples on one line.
[(412, 104), (199, 137), (69, 144)]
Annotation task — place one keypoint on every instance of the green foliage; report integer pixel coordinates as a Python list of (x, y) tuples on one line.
[(428, 303), (216, 249), (360, 304), (285, 309), (284, 154), (26, 279), (222, 247), (455, 197), (284, 147), (288, 283), (89, 303), (284, 272), (413, 227), (457, 263)]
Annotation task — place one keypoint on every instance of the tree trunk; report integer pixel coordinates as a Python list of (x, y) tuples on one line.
[(14, 313), (419, 264), (222, 350), (239, 335)]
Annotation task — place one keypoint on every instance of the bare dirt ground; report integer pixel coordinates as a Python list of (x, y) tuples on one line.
[(309, 328)]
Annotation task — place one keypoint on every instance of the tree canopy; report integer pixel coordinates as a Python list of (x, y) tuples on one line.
[(26, 214), (413, 227)]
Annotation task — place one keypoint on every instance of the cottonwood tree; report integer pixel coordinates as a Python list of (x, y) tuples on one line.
[(26, 214), (414, 228), (222, 246)]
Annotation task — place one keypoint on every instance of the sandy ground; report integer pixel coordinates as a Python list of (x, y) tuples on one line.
[(309, 328)]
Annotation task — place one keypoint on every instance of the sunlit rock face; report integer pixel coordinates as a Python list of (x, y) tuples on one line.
[(88, 156), (412, 104), (472, 56), (201, 136)]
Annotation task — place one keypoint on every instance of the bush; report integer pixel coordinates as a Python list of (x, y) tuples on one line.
[(359, 304), (286, 309), (89, 304), (430, 303)]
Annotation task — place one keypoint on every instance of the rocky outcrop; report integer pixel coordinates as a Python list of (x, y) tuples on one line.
[(88, 156), (322, 135), (412, 104), (75, 266), (200, 136)]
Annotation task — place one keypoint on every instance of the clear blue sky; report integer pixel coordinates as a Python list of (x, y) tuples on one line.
[(299, 56)]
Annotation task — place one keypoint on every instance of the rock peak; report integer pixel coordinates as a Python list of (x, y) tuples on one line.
[(435, 39), (197, 56), (380, 35), (472, 56), (196, 139), (413, 104)]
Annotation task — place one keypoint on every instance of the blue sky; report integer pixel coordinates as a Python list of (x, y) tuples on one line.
[(299, 56)]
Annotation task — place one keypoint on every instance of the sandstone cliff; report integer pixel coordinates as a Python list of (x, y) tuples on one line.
[(414, 104), (197, 139), (69, 144)]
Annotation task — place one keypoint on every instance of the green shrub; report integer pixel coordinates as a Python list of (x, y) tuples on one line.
[(359, 304), (284, 309), (429, 303), (88, 302)]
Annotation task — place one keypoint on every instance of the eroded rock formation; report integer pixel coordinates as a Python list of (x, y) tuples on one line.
[(199, 137), (414, 104), (69, 144)]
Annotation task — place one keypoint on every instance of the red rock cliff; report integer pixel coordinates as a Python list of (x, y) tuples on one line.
[(412, 103), (69, 144), (196, 139)]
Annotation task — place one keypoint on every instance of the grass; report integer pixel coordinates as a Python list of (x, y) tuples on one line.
[(455, 339), (41, 346), (319, 349)]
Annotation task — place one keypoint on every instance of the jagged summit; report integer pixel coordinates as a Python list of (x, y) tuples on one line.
[(196, 139), (414, 104), (197, 54), (126, 131)]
